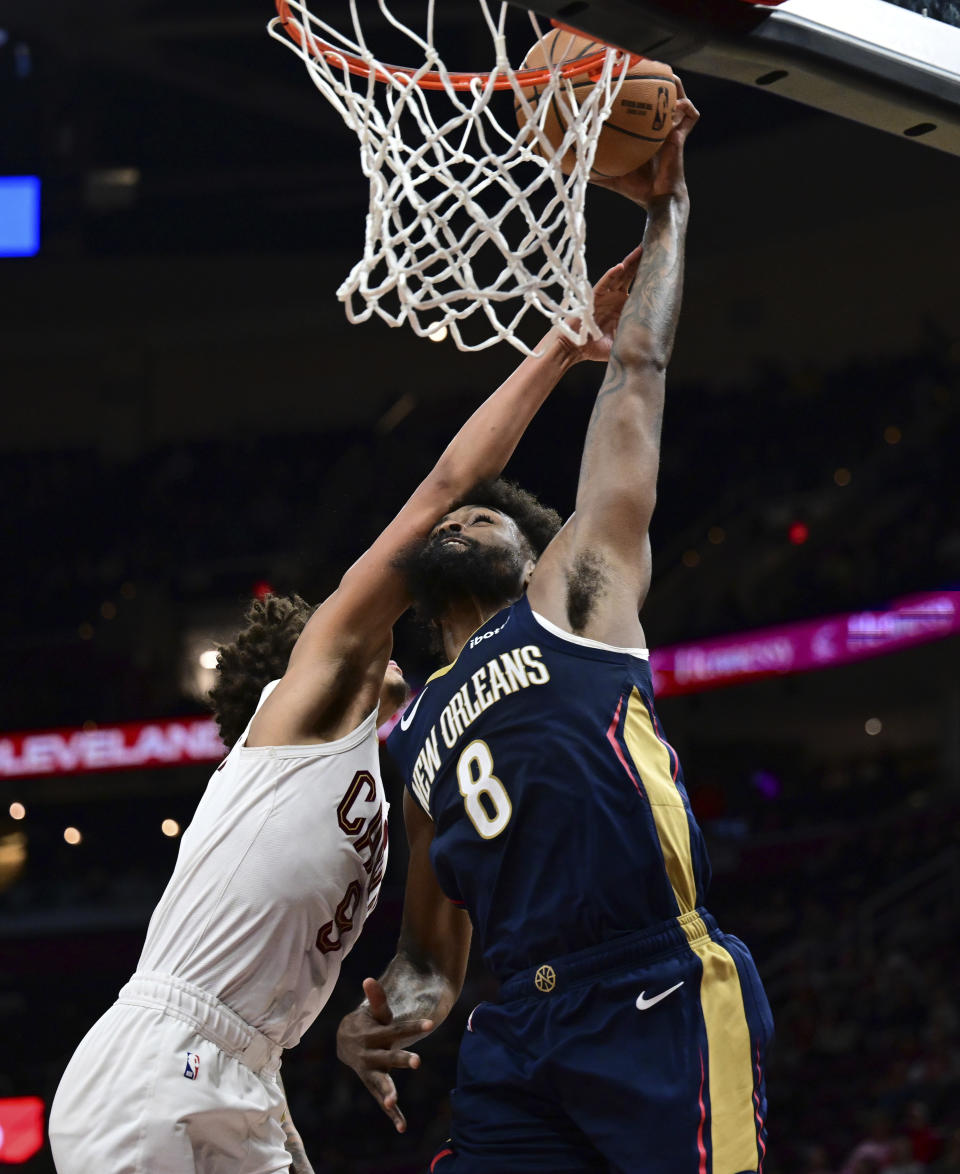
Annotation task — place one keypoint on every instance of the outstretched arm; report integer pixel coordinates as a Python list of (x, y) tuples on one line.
[(372, 590), (352, 628), (421, 983), (595, 575)]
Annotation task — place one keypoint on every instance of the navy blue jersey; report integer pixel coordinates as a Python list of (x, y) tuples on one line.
[(561, 818)]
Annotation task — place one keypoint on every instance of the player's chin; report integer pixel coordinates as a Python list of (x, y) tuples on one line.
[(394, 695)]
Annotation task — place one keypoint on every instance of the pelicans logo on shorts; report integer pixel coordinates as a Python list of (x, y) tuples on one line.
[(192, 1070)]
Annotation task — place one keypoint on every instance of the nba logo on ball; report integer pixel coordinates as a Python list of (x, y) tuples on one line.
[(639, 118), (192, 1070), (663, 107)]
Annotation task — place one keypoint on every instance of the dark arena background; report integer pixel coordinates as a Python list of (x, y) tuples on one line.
[(189, 420)]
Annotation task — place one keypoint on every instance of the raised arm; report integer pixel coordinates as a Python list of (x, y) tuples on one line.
[(372, 591), (595, 575), (421, 983), (343, 649)]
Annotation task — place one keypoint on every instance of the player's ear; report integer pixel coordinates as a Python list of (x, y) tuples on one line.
[(528, 568)]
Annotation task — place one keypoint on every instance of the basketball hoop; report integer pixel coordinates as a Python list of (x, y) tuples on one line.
[(471, 216)]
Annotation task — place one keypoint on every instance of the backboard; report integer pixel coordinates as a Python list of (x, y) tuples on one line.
[(868, 60)]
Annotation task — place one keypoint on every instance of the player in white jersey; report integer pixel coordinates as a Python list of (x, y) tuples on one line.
[(283, 860)]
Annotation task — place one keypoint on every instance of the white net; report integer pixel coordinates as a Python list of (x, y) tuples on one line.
[(472, 222)]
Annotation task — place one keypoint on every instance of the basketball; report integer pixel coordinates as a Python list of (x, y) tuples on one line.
[(642, 114)]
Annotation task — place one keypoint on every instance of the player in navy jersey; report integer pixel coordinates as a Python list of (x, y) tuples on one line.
[(284, 857), (547, 814)]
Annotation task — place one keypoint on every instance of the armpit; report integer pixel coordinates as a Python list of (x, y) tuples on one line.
[(586, 584)]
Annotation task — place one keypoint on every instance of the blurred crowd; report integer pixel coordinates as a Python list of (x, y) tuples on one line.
[(111, 561), (814, 493), (862, 981), (841, 876), (945, 10)]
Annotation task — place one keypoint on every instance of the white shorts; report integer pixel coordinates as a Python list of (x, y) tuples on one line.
[(170, 1081)]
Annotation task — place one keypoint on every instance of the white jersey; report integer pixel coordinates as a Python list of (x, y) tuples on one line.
[(275, 878)]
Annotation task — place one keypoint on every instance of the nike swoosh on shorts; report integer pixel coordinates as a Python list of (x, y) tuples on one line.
[(643, 1002)]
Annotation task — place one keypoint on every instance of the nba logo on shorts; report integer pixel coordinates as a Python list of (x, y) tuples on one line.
[(192, 1070)]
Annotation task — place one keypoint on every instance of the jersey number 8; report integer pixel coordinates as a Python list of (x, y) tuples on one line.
[(485, 798)]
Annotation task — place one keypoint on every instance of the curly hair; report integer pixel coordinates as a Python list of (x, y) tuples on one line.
[(536, 522), (258, 656)]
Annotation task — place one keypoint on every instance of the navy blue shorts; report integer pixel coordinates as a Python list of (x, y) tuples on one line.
[(644, 1055)]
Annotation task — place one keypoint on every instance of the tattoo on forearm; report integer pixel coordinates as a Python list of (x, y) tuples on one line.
[(649, 318), (654, 303)]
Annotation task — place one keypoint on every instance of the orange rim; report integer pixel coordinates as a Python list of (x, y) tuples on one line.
[(317, 47)]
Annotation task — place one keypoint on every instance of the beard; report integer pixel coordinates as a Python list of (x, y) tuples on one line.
[(436, 574), (395, 694)]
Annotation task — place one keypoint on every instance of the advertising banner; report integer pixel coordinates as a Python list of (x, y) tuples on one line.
[(677, 669)]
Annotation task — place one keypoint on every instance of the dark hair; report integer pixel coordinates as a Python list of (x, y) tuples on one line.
[(537, 523), (258, 656)]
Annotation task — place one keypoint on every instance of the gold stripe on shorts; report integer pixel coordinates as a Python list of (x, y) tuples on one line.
[(733, 1129)]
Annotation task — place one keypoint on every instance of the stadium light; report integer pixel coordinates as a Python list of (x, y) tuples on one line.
[(21, 1129)]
